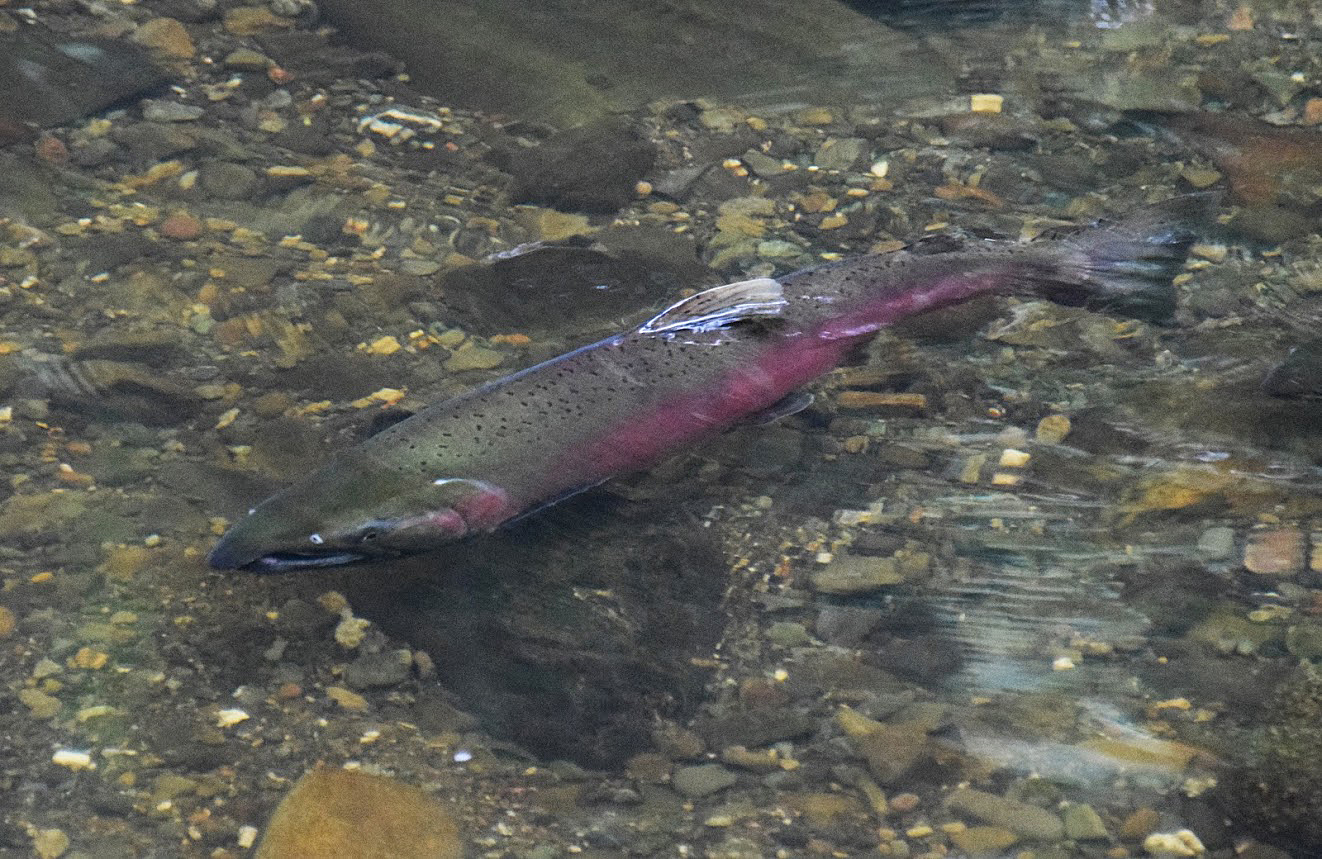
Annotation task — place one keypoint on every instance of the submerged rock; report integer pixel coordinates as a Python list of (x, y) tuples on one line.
[(354, 815), (592, 168), (571, 64), (1027, 820), (47, 79)]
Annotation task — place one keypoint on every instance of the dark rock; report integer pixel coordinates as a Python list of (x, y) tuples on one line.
[(592, 168), (990, 130), (755, 727), (1299, 375), (47, 79), (108, 251), (227, 180), (702, 780), (150, 142), (376, 670)]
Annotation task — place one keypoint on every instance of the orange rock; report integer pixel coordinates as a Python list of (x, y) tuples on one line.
[(875, 399), (181, 225), (354, 815), (51, 149), (1279, 551), (1313, 111)]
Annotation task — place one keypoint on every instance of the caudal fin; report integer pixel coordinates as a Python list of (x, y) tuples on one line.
[(1126, 267)]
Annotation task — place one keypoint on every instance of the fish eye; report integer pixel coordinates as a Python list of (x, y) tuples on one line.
[(315, 539)]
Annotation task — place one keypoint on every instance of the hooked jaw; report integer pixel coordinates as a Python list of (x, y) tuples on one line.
[(304, 528), (246, 547)]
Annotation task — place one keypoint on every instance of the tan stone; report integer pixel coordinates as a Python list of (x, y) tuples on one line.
[(354, 815), (167, 36)]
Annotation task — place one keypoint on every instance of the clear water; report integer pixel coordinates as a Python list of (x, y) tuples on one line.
[(1097, 539)]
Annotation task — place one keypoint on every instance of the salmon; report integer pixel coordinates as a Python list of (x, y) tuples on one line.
[(732, 354)]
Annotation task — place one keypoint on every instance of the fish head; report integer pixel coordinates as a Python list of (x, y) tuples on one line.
[(347, 513)]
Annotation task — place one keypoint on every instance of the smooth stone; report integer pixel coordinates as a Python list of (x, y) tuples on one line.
[(170, 111), (763, 164), (983, 839), (1083, 823), (841, 153), (1217, 544), (354, 815), (376, 670), (473, 357), (702, 780), (856, 574), (247, 60), (1304, 641), (788, 634), (892, 750), (1027, 820), (228, 180)]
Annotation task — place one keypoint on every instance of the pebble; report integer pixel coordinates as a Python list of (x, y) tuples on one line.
[(7, 622), (251, 20), (1304, 641), (983, 839), (702, 780), (247, 60), (814, 116), (39, 704), (50, 843), (1217, 544), (783, 633), (170, 111), (1052, 429), (351, 701), (386, 345), (354, 815), (856, 574), (1182, 843), (891, 751), (1083, 823), (470, 356), (181, 226), (167, 36), (375, 670), (1140, 824), (764, 165), (227, 180), (1275, 552), (1027, 820), (841, 153)]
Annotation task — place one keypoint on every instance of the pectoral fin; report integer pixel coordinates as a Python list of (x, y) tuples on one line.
[(790, 404), (720, 306)]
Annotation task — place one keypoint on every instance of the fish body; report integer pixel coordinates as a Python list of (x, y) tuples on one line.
[(722, 357)]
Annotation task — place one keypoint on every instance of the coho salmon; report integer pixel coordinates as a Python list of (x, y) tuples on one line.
[(730, 354)]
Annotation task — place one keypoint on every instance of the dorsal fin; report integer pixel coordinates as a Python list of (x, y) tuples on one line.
[(720, 306)]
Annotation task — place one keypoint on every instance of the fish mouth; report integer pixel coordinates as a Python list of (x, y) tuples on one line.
[(284, 562)]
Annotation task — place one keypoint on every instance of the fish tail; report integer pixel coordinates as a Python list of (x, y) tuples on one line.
[(1127, 267)]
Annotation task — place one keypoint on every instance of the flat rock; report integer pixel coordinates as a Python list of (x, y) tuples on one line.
[(1027, 820), (856, 574), (354, 815), (702, 780)]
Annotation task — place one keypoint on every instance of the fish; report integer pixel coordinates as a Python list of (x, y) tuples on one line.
[(733, 354)]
